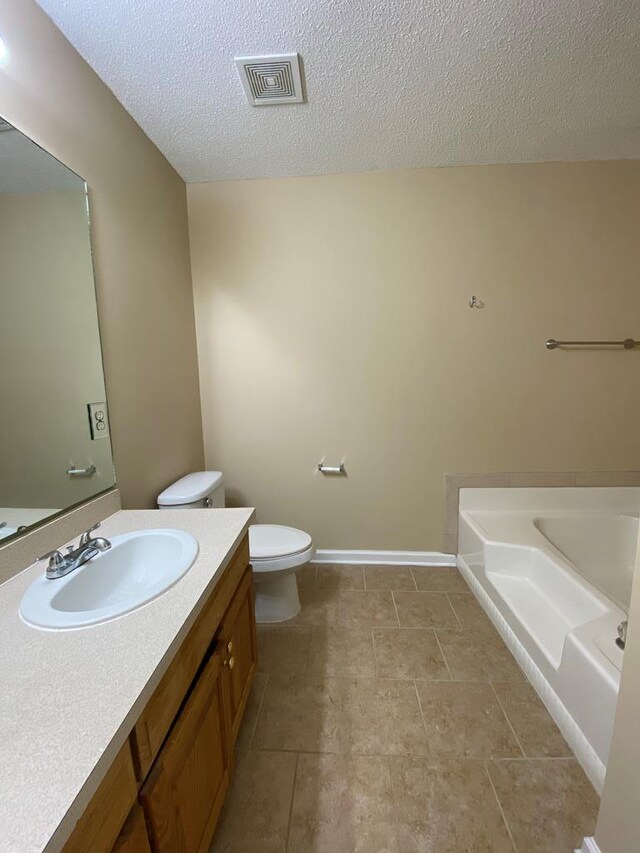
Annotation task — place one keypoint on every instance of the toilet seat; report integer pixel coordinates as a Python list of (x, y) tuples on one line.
[(276, 552), (275, 548), (276, 540)]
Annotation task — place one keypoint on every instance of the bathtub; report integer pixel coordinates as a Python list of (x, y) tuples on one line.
[(553, 569), (600, 546)]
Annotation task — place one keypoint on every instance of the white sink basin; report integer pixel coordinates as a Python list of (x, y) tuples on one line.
[(138, 567)]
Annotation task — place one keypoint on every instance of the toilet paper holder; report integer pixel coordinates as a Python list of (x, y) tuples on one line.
[(332, 469)]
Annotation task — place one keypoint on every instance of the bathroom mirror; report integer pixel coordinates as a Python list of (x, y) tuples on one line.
[(55, 449)]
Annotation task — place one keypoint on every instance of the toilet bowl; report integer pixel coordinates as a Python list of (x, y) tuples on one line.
[(276, 552)]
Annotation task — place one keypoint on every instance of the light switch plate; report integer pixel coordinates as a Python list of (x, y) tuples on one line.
[(98, 420)]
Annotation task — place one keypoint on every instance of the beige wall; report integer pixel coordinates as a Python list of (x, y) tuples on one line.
[(332, 320), (141, 247), (618, 829), (50, 352)]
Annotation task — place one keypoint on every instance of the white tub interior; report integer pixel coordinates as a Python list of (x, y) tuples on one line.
[(602, 548), (554, 568), (545, 599)]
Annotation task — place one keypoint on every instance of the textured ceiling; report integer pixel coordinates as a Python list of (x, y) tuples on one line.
[(391, 83)]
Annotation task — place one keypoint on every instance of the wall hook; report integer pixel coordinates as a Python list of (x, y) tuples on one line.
[(474, 302)]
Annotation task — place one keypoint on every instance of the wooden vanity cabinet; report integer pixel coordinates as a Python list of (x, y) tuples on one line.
[(157, 718), (165, 789), (102, 820), (237, 636), (184, 792), (133, 836)]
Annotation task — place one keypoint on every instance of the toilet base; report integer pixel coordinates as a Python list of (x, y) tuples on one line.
[(277, 598)]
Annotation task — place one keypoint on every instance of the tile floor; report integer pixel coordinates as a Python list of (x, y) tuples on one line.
[(389, 717)]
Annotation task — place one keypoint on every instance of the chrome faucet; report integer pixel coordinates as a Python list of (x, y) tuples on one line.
[(89, 547), (621, 639)]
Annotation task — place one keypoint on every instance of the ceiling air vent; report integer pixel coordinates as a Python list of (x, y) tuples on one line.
[(271, 79)]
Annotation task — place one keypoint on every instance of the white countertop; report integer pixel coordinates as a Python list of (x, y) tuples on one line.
[(70, 698)]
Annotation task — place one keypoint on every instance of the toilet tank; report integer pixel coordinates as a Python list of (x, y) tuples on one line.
[(195, 491)]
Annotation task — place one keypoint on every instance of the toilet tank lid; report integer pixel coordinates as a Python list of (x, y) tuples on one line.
[(191, 488)]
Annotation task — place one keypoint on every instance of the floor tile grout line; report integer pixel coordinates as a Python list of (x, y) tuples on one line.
[(393, 810), (307, 657), (455, 612), (255, 725), (503, 758), (395, 607), (424, 722), (413, 578), (409, 627), (341, 689), (503, 815), (293, 793), (295, 751), (506, 716), (444, 657), (375, 657), (539, 758)]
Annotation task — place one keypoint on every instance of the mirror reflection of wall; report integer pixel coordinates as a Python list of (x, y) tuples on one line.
[(50, 356)]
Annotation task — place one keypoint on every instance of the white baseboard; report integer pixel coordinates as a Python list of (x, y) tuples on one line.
[(386, 558), (588, 846)]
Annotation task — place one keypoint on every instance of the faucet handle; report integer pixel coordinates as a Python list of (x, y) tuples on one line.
[(55, 558), (86, 536)]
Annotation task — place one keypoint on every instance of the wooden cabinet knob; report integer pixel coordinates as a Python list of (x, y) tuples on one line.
[(230, 663), (230, 646)]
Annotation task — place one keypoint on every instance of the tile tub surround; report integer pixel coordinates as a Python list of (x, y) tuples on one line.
[(390, 738), (520, 480), (70, 698)]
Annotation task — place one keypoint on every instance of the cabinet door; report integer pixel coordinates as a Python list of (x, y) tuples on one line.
[(133, 835), (161, 710), (102, 819), (238, 638), (184, 792)]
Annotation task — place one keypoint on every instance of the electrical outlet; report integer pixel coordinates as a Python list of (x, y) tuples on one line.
[(98, 420)]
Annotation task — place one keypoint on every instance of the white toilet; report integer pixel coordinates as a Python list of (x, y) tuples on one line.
[(276, 552)]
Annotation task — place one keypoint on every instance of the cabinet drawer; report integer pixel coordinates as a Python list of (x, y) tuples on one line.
[(161, 710), (102, 820), (184, 792)]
